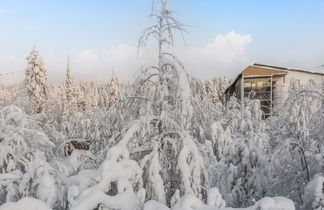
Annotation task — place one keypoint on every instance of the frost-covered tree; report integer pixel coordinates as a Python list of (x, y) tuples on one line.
[(21, 140), (240, 140), (112, 190), (211, 90), (114, 88), (36, 82), (88, 99), (295, 141), (167, 138), (314, 194), (175, 158), (70, 96), (109, 92)]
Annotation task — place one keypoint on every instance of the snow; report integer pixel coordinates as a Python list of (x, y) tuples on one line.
[(155, 177), (13, 175), (275, 203), (154, 205), (125, 172), (190, 202), (26, 204), (83, 180), (124, 201), (214, 198), (314, 193), (47, 191)]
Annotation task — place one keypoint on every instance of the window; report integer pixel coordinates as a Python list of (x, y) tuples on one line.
[(247, 84), (259, 88), (297, 81)]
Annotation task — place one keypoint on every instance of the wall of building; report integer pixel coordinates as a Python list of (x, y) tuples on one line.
[(278, 91), (303, 77), (280, 83)]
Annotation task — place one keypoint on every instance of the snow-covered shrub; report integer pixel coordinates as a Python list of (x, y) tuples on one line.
[(214, 198), (21, 144), (240, 174), (314, 194), (26, 203), (39, 181), (118, 178), (295, 141)]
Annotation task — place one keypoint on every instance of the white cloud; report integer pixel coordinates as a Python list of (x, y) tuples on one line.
[(87, 56), (98, 65), (224, 56)]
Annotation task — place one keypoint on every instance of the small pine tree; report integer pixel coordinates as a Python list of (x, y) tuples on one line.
[(36, 82)]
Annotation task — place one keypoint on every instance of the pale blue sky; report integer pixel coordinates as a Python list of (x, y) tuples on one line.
[(281, 32)]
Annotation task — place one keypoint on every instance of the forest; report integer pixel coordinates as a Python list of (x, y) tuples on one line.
[(163, 140)]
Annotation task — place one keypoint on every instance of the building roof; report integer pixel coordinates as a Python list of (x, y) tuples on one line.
[(264, 66), (263, 70)]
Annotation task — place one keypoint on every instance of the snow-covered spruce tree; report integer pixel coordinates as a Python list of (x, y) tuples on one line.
[(88, 98), (114, 89), (36, 82), (240, 138), (70, 97), (168, 138)]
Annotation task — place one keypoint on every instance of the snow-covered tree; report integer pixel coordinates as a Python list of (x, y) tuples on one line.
[(21, 139), (167, 139), (36, 82), (109, 92), (314, 194), (113, 190), (295, 141), (114, 88), (240, 142), (70, 96)]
